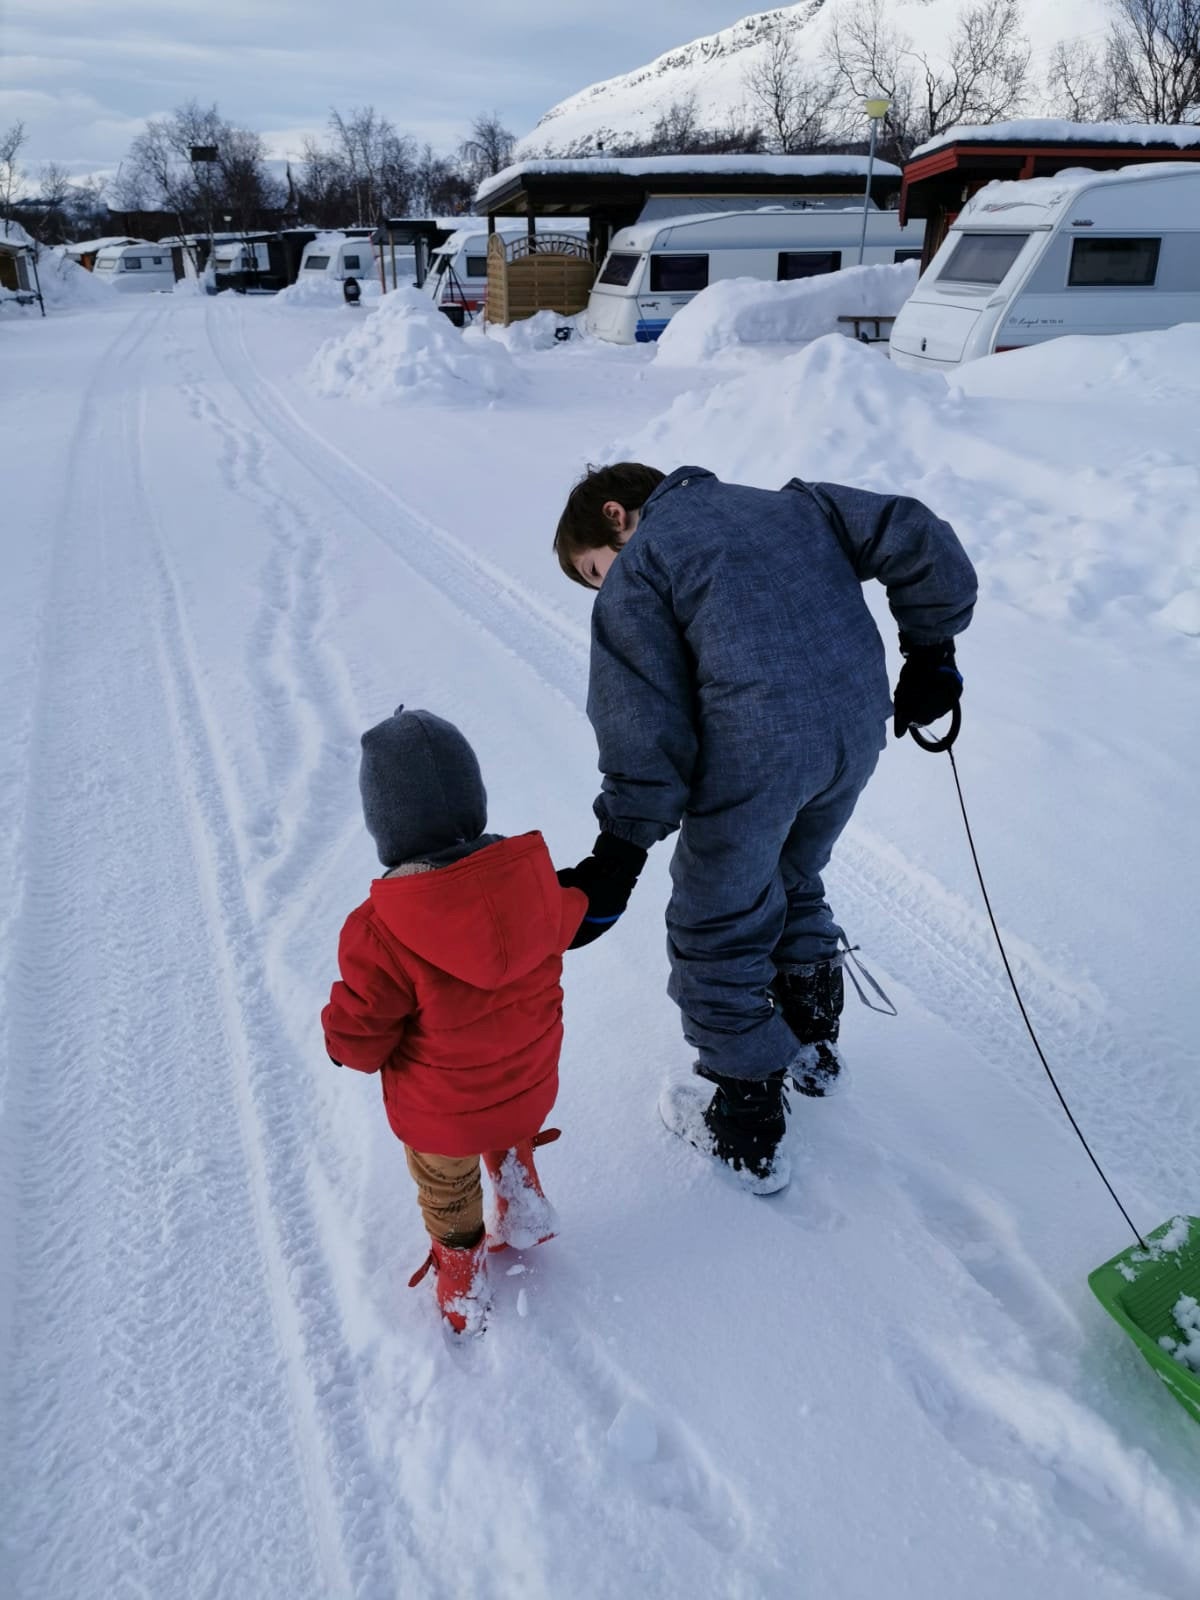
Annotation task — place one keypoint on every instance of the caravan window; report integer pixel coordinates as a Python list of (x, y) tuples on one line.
[(133, 263), (476, 266), (352, 261), (316, 264), (1114, 263), (807, 263), (907, 255), (619, 270), (678, 274), (982, 258)]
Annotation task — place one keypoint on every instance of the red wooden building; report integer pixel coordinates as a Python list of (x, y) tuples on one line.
[(944, 173)]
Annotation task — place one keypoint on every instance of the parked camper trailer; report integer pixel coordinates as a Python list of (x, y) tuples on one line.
[(457, 279), (658, 265), (136, 268), (339, 257), (1081, 252)]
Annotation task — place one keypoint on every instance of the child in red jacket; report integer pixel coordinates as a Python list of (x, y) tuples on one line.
[(450, 989)]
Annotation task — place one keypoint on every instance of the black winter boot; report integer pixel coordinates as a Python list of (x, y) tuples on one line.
[(741, 1125), (811, 1002)]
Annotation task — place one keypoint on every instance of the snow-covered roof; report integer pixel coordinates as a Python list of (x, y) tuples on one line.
[(1055, 192), (83, 247), (14, 236), (1052, 130), (798, 167)]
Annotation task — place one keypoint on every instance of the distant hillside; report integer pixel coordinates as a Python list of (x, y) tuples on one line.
[(714, 69)]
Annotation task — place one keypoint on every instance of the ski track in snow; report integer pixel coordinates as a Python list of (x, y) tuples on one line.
[(249, 1423), (215, 1408)]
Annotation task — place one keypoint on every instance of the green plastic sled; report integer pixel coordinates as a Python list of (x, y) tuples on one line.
[(1140, 1289)]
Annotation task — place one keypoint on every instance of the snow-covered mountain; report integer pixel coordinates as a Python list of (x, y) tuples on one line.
[(714, 69)]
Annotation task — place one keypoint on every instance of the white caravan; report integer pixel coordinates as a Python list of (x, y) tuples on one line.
[(336, 256), (1081, 252), (136, 268), (658, 265), (457, 278)]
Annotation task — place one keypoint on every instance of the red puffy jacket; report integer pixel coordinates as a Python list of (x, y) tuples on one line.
[(450, 985)]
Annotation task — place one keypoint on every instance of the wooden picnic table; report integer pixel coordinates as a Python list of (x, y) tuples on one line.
[(876, 323)]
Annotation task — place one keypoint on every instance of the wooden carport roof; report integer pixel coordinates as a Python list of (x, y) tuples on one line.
[(945, 178)]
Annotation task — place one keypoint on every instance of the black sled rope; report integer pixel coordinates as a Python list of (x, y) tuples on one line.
[(937, 746)]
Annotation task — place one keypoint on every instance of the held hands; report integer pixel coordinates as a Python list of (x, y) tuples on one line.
[(929, 685), (607, 877)]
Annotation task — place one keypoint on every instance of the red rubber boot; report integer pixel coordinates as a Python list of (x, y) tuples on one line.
[(461, 1283), (523, 1216)]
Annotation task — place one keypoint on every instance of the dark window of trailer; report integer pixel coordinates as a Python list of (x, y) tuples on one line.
[(133, 263), (807, 263), (353, 262), (618, 270), (476, 266), (982, 258), (1114, 263), (678, 274), (316, 264), (906, 255)]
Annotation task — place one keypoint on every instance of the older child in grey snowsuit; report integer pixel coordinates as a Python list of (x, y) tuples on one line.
[(738, 692)]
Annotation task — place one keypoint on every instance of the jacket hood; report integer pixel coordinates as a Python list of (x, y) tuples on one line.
[(488, 919)]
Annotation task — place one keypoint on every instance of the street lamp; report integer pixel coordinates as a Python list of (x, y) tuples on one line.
[(876, 108)]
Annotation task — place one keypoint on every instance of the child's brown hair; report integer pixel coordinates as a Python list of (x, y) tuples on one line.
[(583, 525)]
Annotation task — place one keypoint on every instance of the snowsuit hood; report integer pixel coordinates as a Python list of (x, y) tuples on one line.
[(487, 920)]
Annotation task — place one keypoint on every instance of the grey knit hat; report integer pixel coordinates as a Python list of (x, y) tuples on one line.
[(422, 791)]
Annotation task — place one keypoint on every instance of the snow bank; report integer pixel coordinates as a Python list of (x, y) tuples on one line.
[(539, 332), (407, 350), (1142, 367), (317, 289), (68, 286), (746, 311), (1073, 511)]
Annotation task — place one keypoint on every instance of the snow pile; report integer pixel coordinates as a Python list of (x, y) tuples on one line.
[(1049, 461), (1187, 1319), (316, 289), (539, 332), (407, 350), (746, 311), (68, 286), (14, 233)]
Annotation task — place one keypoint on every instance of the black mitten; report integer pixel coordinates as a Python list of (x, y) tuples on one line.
[(929, 685), (607, 877)]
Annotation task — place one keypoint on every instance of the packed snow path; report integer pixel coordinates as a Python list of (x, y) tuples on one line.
[(890, 1381)]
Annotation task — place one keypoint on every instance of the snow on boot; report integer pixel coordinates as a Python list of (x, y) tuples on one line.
[(740, 1125), (811, 1001), (522, 1216), (460, 1283)]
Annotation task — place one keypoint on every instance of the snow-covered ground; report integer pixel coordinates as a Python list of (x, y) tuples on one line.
[(890, 1381)]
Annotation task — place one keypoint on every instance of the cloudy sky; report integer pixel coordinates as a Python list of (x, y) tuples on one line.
[(84, 75)]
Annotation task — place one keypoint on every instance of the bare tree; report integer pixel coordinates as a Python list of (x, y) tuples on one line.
[(1079, 88), (792, 105), (866, 57), (985, 73), (982, 76), (440, 187), (1152, 60), (373, 164), (488, 147), (12, 141)]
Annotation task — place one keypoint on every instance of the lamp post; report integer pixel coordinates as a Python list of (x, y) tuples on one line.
[(876, 108), (204, 155)]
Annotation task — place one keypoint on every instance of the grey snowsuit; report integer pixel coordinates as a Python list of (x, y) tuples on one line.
[(738, 692)]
